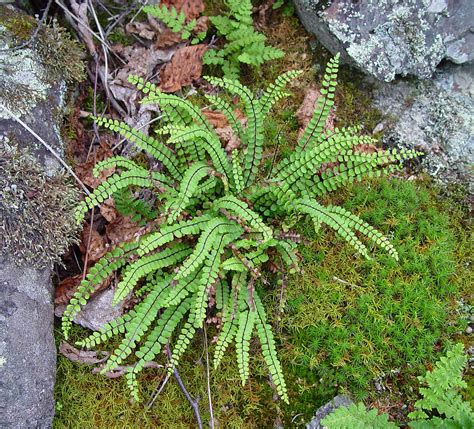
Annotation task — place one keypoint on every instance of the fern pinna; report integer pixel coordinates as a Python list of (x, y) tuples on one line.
[(217, 222)]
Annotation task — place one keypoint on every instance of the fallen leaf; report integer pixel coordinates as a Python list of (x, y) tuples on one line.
[(82, 356), (66, 289), (122, 229), (183, 69), (108, 211), (98, 153), (168, 38), (92, 244), (191, 8), (216, 118), (202, 24), (141, 29), (306, 110)]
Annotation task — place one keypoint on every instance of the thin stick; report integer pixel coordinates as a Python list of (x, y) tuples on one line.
[(157, 392), (89, 239), (86, 27), (211, 413), (48, 147), (194, 404)]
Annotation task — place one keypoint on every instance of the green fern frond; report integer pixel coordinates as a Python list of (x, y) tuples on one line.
[(275, 92), (148, 264), (148, 144), (339, 224), (242, 210), (188, 187), (269, 352), (357, 417), (142, 317), (323, 105), (110, 262), (246, 324), (140, 211)]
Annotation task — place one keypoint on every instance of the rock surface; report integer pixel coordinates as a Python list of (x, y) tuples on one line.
[(385, 38), (322, 412), (27, 348), (435, 117), (97, 312)]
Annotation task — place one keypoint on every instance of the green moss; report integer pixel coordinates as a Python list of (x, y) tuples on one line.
[(348, 321)]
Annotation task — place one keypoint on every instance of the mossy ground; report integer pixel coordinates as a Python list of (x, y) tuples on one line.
[(345, 320), (337, 334)]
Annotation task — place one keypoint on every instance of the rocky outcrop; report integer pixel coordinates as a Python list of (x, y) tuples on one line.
[(385, 38), (436, 117), (33, 92)]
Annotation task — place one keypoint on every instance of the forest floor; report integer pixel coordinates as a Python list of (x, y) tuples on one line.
[(346, 325)]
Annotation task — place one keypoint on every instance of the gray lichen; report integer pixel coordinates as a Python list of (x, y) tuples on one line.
[(36, 211)]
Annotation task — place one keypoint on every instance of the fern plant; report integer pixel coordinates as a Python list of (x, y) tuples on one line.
[(243, 44), (440, 395), (219, 220), (176, 22)]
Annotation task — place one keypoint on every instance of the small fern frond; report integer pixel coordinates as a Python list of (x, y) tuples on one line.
[(275, 92), (142, 317), (187, 189), (113, 162), (242, 210), (111, 261), (269, 352), (170, 17), (148, 144), (216, 227), (323, 104), (146, 265), (242, 342), (340, 225), (108, 330), (168, 233)]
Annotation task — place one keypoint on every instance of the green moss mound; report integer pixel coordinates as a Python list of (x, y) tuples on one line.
[(349, 321)]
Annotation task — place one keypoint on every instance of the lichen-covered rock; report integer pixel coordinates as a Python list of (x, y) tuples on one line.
[(32, 90), (385, 38), (325, 410), (436, 117)]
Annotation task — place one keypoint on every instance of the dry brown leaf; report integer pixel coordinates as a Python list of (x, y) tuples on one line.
[(122, 229), (202, 24), (216, 118), (99, 153), (366, 148), (108, 211), (66, 289), (168, 38), (191, 8), (93, 245), (306, 110), (82, 356), (183, 69), (141, 29)]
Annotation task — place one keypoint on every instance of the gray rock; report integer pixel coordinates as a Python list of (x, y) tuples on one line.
[(27, 348), (325, 410), (97, 312), (385, 38), (435, 117)]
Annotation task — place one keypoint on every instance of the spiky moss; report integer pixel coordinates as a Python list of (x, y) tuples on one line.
[(58, 51), (86, 400), (348, 321), (36, 211)]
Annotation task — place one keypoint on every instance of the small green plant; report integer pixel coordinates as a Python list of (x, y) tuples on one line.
[(220, 220), (441, 406), (243, 44), (176, 22)]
